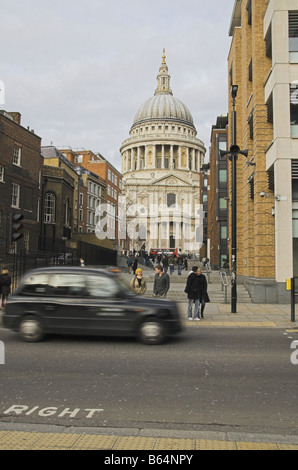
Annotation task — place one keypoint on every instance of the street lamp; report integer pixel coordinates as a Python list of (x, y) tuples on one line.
[(233, 157)]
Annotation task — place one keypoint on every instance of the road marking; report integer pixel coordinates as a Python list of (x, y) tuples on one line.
[(51, 411)]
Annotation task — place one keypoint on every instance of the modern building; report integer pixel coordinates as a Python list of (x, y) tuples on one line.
[(20, 184), (263, 63), (161, 162)]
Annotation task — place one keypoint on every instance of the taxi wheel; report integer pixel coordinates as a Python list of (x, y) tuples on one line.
[(31, 329), (151, 331)]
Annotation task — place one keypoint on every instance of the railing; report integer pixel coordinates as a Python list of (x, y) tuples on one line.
[(224, 284)]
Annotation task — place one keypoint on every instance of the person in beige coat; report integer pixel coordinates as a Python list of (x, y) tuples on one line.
[(138, 284)]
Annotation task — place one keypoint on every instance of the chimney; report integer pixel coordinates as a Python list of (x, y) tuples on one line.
[(16, 117)]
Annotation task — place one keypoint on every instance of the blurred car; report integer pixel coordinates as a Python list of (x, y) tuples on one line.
[(72, 300)]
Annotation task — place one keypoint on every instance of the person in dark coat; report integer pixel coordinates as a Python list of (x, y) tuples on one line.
[(5, 283), (161, 282), (196, 289), (134, 265)]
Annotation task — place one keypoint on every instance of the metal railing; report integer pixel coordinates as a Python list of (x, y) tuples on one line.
[(224, 284)]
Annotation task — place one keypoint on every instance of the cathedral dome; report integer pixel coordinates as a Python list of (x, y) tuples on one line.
[(163, 105)]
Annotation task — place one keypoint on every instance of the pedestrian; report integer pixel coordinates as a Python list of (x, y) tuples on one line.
[(129, 264), (196, 289), (161, 282), (180, 265), (165, 263), (134, 265), (82, 263), (171, 265), (138, 283), (5, 284)]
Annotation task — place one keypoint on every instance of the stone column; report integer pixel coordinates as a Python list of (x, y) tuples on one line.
[(171, 156), (138, 157)]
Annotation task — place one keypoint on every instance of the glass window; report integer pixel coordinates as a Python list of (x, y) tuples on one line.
[(1, 173), (171, 199), (294, 110), (49, 207), (222, 175), (222, 203), (295, 223), (15, 198), (293, 35), (17, 155), (222, 145), (99, 286), (35, 284), (223, 232), (64, 284)]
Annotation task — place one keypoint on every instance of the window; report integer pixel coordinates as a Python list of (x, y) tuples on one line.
[(66, 284), (222, 176), (26, 239), (15, 198), (17, 151), (222, 203), (251, 126), (294, 109), (223, 232), (1, 174), (34, 284), (171, 199), (293, 36), (49, 208), (98, 286)]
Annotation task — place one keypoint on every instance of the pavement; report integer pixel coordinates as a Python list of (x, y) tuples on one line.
[(249, 315)]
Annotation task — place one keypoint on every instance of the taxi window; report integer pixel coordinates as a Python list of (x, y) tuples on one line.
[(34, 284), (64, 284), (100, 286)]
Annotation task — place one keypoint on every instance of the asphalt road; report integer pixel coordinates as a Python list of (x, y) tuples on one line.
[(213, 379)]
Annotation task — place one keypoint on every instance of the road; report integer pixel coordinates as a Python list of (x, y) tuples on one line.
[(207, 379)]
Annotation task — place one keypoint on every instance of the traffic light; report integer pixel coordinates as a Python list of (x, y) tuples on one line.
[(16, 227)]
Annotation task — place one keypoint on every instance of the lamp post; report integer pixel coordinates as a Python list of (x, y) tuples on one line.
[(233, 157)]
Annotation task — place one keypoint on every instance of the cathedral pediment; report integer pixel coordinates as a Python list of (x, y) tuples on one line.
[(171, 180)]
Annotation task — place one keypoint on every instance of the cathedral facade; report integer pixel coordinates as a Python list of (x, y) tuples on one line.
[(161, 162)]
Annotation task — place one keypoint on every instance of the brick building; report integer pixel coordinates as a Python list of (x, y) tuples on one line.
[(98, 165), (60, 201), (217, 196), (20, 183), (263, 63)]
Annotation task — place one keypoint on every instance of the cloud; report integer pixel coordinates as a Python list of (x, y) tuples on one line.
[(79, 70)]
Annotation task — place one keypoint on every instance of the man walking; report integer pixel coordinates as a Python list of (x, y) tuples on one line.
[(161, 282)]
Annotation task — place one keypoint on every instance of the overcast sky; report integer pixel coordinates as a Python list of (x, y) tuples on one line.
[(78, 70)]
